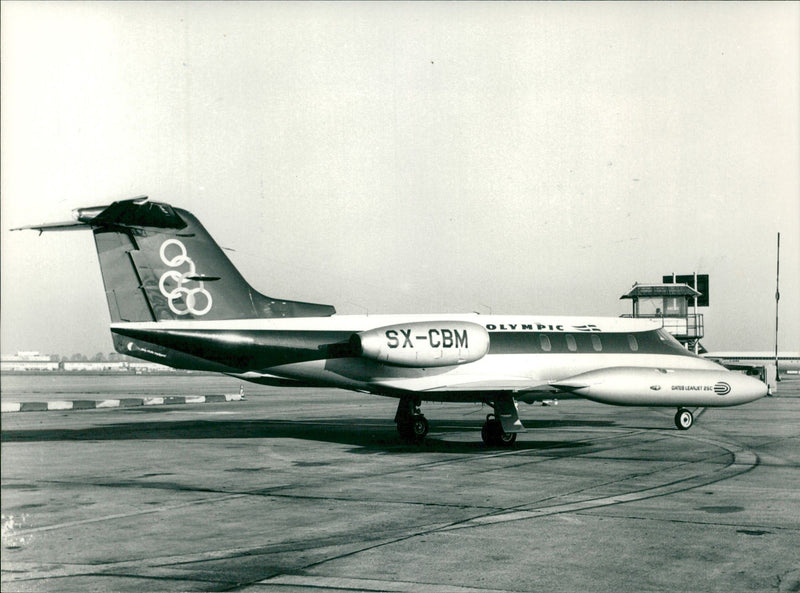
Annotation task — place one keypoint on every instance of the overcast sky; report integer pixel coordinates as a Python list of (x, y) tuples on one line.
[(525, 158)]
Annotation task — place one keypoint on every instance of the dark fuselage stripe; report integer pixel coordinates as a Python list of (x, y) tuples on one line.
[(262, 349), (583, 343)]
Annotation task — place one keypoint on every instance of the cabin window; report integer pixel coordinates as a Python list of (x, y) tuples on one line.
[(571, 344), (596, 343), (633, 343), (544, 341)]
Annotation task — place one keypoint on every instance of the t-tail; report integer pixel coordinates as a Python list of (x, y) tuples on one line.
[(160, 264)]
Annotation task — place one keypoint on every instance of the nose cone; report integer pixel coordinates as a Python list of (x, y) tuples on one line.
[(742, 388)]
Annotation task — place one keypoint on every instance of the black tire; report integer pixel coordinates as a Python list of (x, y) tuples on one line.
[(507, 439), (684, 419), (406, 431), (414, 429), (493, 434), (488, 435), (419, 426)]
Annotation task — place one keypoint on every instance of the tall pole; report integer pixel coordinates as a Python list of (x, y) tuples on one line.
[(694, 313), (777, 300)]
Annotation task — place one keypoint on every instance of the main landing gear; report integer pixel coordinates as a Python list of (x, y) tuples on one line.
[(684, 419), (411, 424), (500, 428), (493, 434)]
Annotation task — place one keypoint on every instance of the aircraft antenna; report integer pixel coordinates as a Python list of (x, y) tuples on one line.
[(777, 300)]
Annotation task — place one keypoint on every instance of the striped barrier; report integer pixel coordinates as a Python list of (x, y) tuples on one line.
[(127, 402)]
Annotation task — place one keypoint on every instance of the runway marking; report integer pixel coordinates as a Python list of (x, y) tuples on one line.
[(744, 460), (221, 498), (356, 584), (202, 413)]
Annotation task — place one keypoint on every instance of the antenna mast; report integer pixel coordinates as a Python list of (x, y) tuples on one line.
[(777, 300)]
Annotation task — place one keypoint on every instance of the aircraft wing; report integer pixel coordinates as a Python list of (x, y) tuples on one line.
[(471, 383), (509, 384), (274, 380), (521, 388)]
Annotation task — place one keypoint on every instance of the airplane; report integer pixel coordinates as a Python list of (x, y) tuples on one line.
[(753, 362), (175, 298)]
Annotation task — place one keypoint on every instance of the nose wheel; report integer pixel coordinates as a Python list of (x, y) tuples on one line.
[(684, 419)]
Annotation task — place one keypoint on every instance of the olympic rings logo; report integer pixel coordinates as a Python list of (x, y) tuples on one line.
[(179, 281)]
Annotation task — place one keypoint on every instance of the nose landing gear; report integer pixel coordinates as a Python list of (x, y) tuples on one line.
[(684, 419)]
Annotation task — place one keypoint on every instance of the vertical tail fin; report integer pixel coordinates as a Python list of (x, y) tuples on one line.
[(159, 263)]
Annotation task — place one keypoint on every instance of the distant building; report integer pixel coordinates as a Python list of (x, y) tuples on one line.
[(141, 366), (30, 361), (96, 366)]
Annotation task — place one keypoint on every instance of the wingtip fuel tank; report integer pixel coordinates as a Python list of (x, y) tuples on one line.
[(631, 386)]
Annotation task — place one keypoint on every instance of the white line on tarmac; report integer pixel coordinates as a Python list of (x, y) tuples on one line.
[(130, 514), (353, 584), (744, 460)]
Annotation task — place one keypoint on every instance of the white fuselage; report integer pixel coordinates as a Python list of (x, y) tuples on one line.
[(516, 362)]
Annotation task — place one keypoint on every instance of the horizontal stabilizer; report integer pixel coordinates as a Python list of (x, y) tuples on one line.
[(135, 212), (69, 225)]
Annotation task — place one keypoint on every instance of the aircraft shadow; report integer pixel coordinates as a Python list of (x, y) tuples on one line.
[(363, 434)]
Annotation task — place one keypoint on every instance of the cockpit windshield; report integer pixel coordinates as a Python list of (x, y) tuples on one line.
[(668, 340)]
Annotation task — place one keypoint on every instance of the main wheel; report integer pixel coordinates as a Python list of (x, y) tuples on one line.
[(493, 434), (506, 439), (419, 426), (487, 434), (684, 419), (414, 429)]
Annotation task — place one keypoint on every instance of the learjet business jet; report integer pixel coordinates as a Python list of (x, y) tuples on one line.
[(176, 299)]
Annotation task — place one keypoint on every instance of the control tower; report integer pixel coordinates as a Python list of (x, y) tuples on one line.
[(670, 303)]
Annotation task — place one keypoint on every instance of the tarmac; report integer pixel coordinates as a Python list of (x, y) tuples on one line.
[(312, 490)]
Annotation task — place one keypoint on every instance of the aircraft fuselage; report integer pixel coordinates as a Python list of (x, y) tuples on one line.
[(483, 355)]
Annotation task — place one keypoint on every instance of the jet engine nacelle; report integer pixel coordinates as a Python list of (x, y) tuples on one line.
[(423, 344), (631, 386)]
